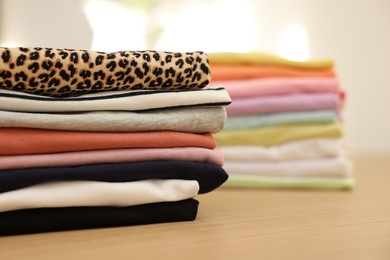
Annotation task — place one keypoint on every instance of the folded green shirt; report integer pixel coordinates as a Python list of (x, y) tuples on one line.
[(290, 182), (252, 121)]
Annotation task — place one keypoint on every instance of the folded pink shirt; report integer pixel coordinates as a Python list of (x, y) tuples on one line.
[(275, 86), (111, 156), (284, 103)]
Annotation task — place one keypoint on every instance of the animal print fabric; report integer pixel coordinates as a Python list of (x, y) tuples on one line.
[(68, 72)]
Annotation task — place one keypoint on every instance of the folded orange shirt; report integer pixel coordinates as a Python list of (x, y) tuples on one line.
[(37, 141), (235, 72)]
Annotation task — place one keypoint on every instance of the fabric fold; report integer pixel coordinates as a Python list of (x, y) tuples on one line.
[(69, 72), (72, 218), (209, 176), (139, 100), (14, 141), (194, 120)]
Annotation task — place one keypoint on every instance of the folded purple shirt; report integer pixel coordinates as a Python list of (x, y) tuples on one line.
[(284, 103)]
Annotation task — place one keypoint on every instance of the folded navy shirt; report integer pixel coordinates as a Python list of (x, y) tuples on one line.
[(208, 175), (72, 218)]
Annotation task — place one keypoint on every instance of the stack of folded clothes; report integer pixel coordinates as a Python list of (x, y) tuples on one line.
[(284, 127), (91, 139)]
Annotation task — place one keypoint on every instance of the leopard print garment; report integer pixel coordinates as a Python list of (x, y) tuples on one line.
[(67, 72)]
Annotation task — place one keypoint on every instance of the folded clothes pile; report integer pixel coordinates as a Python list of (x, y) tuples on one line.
[(283, 127), (91, 139)]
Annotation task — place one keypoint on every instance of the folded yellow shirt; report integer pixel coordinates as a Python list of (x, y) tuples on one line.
[(268, 136), (262, 58)]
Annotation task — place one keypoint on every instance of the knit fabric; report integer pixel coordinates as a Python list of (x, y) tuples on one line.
[(274, 119), (209, 176), (312, 148), (72, 218), (14, 141), (197, 154), (91, 193), (262, 58), (66, 72), (114, 101), (277, 134), (194, 120)]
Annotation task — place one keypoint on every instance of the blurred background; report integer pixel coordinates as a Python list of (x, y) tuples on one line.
[(355, 33)]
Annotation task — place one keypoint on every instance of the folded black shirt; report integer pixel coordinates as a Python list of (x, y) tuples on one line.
[(208, 175), (72, 218)]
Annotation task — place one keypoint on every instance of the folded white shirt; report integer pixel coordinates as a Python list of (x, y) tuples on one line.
[(312, 148), (328, 167), (135, 100), (92, 193)]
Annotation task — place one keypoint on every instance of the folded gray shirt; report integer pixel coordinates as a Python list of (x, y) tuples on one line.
[(186, 119)]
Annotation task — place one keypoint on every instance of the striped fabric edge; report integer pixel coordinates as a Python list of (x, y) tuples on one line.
[(100, 95), (128, 101)]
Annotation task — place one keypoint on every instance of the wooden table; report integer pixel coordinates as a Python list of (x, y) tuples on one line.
[(244, 224)]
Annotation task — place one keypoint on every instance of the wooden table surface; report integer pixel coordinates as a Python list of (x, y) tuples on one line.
[(244, 224)]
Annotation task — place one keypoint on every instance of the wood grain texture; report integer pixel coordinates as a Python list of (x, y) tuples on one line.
[(244, 224)]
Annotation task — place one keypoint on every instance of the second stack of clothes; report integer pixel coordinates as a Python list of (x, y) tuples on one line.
[(284, 125)]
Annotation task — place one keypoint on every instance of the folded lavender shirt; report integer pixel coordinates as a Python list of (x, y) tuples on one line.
[(284, 103), (277, 86)]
